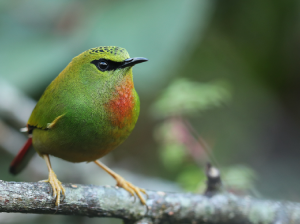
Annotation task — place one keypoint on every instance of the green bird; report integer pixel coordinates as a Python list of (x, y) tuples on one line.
[(89, 109)]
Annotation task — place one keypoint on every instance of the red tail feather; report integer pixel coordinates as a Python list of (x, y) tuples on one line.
[(23, 157)]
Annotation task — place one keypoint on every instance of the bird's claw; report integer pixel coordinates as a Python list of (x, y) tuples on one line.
[(133, 190), (57, 187)]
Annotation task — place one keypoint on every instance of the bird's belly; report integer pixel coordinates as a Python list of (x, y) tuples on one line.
[(78, 145)]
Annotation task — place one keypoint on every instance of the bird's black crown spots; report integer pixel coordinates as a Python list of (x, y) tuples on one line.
[(110, 49), (107, 65)]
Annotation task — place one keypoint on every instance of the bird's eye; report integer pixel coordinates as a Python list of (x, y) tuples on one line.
[(106, 65), (103, 65)]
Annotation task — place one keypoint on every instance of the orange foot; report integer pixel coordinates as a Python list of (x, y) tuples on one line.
[(121, 182), (56, 186)]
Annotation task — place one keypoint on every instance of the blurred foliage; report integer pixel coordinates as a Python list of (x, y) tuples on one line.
[(180, 150), (184, 97), (192, 178), (46, 35), (181, 99), (239, 179), (172, 156)]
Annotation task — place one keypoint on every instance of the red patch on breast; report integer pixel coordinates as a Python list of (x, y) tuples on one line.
[(122, 104)]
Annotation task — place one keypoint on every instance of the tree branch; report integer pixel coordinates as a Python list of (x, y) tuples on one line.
[(106, 201)]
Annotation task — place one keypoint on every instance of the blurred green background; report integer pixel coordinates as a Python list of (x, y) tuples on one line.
[(221, 85)]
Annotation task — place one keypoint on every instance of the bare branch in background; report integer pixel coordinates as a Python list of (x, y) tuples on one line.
[(15, 109), (15, 106)]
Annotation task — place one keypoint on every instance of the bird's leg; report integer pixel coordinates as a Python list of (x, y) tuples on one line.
[(121, 182), (55, 183)]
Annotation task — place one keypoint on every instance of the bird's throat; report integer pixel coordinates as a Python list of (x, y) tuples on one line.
[(121, 106)]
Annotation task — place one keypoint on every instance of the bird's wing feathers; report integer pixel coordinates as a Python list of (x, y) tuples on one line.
[(50, 108)]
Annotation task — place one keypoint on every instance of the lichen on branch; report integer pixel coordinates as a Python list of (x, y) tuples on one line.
[(106, 201)]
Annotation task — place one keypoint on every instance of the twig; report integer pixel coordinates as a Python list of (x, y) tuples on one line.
[(213, 182)]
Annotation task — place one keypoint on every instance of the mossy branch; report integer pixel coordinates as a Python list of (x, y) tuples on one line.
[(106, 201)]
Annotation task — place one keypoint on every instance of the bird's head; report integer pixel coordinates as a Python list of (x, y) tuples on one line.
[(106, 62)]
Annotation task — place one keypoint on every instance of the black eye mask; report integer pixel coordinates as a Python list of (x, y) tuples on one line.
[(108, 65)]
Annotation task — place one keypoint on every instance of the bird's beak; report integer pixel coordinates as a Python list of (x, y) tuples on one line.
[(129, 62)]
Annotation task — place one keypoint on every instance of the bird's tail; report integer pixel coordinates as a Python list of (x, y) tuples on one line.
[(23, 158)]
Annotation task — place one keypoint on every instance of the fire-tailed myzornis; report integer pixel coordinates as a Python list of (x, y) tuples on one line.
[(88, 110)]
